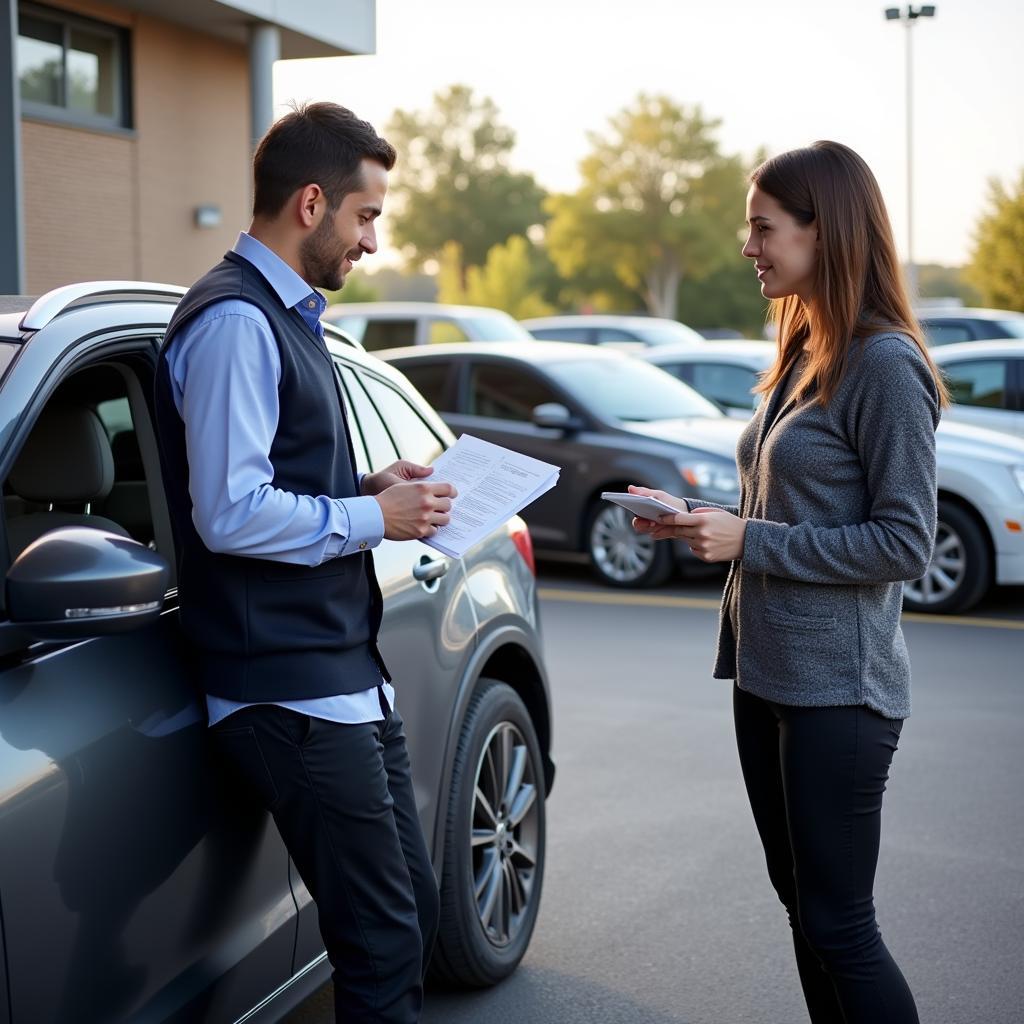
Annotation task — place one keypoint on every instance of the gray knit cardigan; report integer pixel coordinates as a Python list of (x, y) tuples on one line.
[(840, 503)]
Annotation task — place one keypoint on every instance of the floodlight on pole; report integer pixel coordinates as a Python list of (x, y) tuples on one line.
[(908, 16)]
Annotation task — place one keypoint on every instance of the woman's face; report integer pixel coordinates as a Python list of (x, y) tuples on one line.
[(784, 251)]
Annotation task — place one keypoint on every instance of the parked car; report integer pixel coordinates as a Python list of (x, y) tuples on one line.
[(379, 325), (134, 885), (606, 419), (980, 535), (625, 332), (949, 325), (986, 379)]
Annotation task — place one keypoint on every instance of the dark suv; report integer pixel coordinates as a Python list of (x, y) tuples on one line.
[(132, 887)]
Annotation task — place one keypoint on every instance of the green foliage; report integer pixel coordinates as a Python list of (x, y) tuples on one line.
[(356, 289), (659, 203), (996, 268), (453, 182), (728, 297), (935, 281), (505, 281)]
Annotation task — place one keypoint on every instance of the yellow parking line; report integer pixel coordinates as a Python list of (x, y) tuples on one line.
[(665, 601)]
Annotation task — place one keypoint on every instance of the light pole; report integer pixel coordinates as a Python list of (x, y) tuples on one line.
[(909, 16)]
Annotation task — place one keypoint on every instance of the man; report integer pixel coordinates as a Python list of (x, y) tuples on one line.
[(274, 530)]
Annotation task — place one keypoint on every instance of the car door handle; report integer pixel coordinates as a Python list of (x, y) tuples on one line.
[(429, 569)]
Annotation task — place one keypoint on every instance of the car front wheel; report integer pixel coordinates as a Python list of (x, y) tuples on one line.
[(494, 842), (621, 557), (960, 570)]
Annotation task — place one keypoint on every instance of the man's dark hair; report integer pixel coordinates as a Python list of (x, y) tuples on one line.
[(316, 144)]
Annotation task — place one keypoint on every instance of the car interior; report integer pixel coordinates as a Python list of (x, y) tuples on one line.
[(90, 459)]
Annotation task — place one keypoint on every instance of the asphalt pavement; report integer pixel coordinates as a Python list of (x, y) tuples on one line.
[(656, 906)]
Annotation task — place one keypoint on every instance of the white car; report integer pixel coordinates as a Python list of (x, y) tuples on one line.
[(980, 535), (986, 379), (621, 331), (380, 325)]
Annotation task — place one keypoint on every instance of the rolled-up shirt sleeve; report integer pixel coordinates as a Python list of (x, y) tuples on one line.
[(225, 369)]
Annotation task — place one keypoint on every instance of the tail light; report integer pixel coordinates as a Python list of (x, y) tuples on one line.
[(520, 534)]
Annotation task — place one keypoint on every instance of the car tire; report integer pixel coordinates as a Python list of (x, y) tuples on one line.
[(621, 557), (960, 572), (493, 855)]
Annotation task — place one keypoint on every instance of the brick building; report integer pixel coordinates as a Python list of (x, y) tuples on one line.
[(127, 128)]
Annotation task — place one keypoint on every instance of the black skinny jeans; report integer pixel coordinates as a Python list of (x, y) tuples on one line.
[(815, 778)]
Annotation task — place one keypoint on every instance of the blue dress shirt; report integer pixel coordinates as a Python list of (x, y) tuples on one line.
[(225, 369)]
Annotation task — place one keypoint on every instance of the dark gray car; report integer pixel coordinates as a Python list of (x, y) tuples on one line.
[(606, 419), (132, 888)]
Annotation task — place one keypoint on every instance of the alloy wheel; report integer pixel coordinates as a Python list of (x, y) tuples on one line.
[(619, 552), (945, 572), (505, 834)]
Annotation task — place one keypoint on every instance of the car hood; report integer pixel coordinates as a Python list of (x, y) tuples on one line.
[(978, 443), (717, 436)]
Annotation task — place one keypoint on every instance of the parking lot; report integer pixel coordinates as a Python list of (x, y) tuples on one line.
[(657, 908)]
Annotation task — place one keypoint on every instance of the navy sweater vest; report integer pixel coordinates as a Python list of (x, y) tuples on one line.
[(265, 630)]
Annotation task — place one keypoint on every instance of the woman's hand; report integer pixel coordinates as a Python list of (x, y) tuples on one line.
[(712, 534)]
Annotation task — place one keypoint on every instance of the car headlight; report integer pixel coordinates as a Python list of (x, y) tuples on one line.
[(710, 476), (1018, 475)]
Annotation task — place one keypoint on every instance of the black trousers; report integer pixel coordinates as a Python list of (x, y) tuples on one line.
[(342, 798), (815, 778)]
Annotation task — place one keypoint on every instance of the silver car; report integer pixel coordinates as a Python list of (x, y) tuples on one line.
[(133, 886), (986, 379), (980, 535), (380, 325)]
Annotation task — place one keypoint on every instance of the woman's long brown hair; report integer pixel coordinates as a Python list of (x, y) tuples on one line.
[(859, 288)]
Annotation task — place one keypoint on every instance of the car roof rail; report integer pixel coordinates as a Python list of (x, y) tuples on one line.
[(49, 306)]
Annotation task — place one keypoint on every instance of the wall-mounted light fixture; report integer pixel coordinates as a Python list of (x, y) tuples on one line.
[(208, 216)]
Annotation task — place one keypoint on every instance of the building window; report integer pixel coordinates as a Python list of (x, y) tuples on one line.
[(72, 69)]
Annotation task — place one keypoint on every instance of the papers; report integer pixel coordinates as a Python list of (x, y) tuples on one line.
[(493, 484)]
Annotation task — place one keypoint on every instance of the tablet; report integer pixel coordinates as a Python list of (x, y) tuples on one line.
[(640, 505)]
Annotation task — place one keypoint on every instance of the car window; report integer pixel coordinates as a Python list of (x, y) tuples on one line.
[(58, 477), (620, 339), (351, 325), (380, 334), (380, 452), (1012, 328), (441, 332), (495, 326), (729, 385), (979, 383), (430, 380), (630, 390), (561, 333), (506, 392), (414, 439), (938, 332)]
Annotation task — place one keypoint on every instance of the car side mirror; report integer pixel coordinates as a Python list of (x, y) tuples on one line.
[(555, 416), (78, 582)]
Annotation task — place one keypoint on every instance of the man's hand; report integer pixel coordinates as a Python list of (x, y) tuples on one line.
[(414, 511), (397, 473), (712, 534)]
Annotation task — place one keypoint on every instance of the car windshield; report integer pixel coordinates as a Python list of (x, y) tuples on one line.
[(666, 334), (7, 351), (629, 390), (1014, 328), (495, 327)]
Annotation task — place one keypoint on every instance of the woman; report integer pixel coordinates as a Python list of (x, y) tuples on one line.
[(837, 508)]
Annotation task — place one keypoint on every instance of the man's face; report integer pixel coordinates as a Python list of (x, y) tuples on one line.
[(342, 237)]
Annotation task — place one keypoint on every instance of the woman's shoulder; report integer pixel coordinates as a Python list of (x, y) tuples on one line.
[(888, 351)]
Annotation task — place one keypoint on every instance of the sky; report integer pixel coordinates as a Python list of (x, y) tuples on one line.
[(777, 73)]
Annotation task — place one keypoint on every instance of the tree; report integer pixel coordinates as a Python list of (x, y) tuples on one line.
[(935, 281), (659, 203), (996, 268), (356, 289), (453, 181), (507, 280)]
